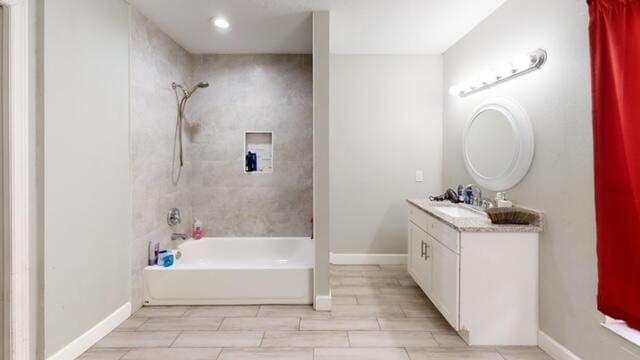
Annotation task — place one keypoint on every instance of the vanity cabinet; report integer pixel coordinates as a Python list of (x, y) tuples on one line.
[(419, 265), (433, 265), (483, 280)]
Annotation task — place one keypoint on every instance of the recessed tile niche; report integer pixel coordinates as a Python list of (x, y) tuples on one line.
[(258, 152)]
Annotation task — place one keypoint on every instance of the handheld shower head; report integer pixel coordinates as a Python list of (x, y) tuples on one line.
[(200, 85), (182, 103), (187, 94)]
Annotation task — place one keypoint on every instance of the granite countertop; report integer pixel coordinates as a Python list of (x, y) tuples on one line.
[(480, 223)]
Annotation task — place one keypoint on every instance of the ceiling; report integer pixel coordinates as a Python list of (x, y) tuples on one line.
[(284, 26)]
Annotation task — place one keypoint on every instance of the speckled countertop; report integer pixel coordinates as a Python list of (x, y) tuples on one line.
[(480, 223)]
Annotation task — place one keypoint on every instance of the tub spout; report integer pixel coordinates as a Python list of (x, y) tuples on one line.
[(177, 236)]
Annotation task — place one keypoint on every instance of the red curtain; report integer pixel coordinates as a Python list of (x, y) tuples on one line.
[(615, 60)]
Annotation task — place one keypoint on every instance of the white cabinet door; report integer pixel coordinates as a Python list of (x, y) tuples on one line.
[(445, 281), (415, 260), (418, 265)]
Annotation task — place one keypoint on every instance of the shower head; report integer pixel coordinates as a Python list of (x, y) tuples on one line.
[(187, 94), (200, 85)]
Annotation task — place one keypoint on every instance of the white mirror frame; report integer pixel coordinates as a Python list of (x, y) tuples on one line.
[(525, 145)]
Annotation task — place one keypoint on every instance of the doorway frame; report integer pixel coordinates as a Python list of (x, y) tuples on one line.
[(15, 121)]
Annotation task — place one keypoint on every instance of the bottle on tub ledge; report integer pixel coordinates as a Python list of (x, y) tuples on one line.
[(157, 256), (198, 230)]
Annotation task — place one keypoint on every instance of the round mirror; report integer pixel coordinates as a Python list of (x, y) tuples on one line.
[(498, 144)]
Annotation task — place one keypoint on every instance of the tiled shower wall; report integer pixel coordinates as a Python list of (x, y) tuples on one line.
[(253, 93), (247, 93), (156, 61)]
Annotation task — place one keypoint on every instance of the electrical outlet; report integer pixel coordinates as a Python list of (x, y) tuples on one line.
[(419, 176)]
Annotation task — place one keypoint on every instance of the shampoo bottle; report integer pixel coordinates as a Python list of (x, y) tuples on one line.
[(154, 249), (198, 230)]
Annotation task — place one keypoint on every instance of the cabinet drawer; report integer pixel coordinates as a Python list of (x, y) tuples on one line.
[(418, 217), (443, 233)]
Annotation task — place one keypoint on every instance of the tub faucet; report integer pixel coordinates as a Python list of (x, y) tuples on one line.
[(178, 236)]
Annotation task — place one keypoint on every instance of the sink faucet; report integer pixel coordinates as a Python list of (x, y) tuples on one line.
[(478, 201), (178, 236)]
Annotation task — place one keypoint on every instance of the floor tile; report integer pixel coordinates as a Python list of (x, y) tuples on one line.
[(407, 282), (290, 310), (523, 353), (223, 311), (391, 339), (219, 339), (305, 339), (378, 313), (158, 311), (420, 310), (355, 267), (132, 323), (267, 354), (357, 280), (392, 299), (423, 324), (394, 267), (339, 324), (181, 324), (138, 339), (261, 323), (354, 290), (367, 311), (360, 354), (401, 274), (453, 354), (345, 273), (400, 290), (343, 300), (103, 354), (449, 340), (173, 354)]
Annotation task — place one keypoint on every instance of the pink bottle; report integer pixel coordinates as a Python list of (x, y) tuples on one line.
[(198, 230)]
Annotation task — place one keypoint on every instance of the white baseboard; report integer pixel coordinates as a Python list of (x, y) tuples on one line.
[(93, 335), (322, 303), (366, 259), (554, 348)]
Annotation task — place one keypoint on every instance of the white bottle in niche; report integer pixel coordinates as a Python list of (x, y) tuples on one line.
[(501, 200)]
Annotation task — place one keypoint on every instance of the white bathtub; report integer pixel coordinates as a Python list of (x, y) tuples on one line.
[(227, 271)]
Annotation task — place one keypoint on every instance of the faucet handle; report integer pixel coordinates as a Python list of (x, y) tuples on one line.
[(173, 218), (487, 204)]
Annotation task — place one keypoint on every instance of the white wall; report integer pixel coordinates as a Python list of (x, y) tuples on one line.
[(560, 182), (3, 326), (386, 123), (87, 210)]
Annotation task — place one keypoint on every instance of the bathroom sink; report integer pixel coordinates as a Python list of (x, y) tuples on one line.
[(456, 212)]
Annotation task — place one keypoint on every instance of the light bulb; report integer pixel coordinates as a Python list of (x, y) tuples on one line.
[(487, 77), (464, 87), (522, 62), (475, 83), (454, 90), (222, 23), (504, 70)]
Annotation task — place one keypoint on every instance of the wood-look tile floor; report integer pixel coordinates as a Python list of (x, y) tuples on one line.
[(378, 314)]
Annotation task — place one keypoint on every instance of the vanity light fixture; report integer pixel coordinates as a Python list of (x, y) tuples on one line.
[(505, 71), (220, 22)]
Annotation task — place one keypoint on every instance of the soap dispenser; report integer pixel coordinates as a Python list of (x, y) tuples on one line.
[(501, 200)]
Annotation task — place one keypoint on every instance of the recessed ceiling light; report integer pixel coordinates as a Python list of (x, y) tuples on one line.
[(222, 23)]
